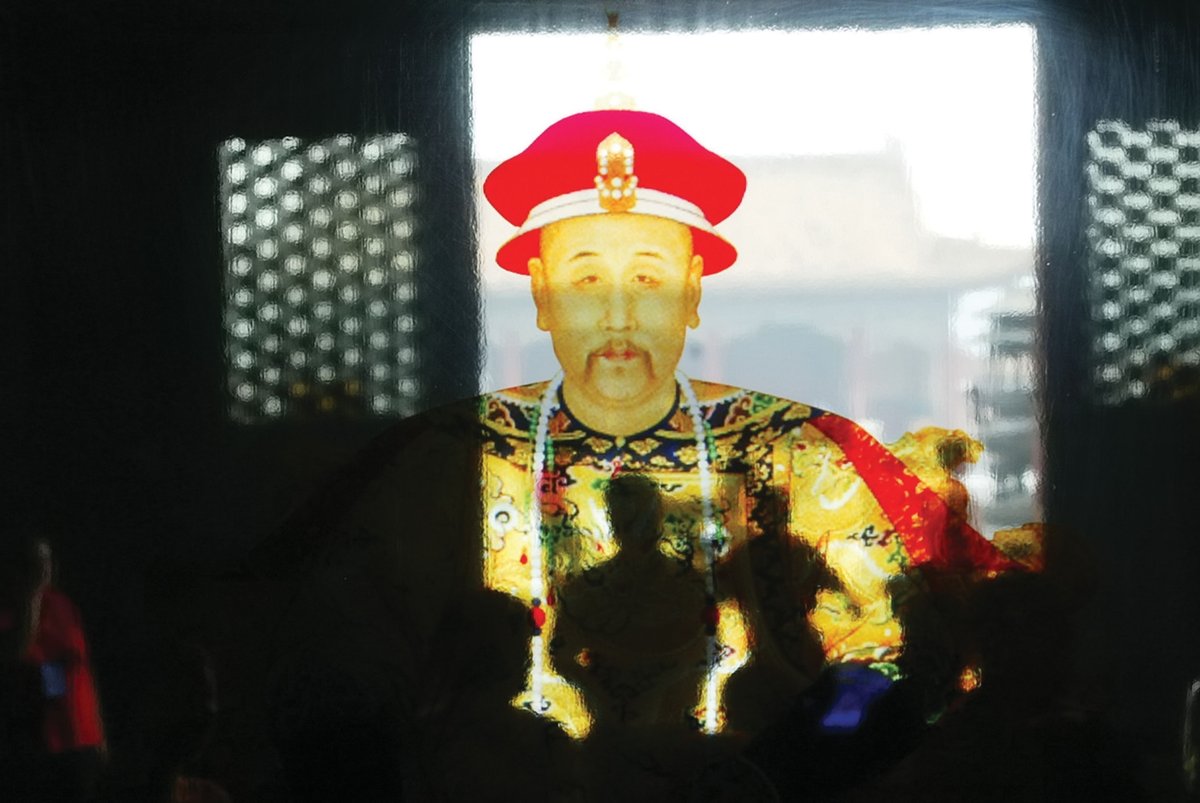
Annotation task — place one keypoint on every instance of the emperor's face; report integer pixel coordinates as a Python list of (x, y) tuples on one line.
[(617, 293)]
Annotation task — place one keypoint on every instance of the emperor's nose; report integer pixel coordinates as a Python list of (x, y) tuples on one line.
[(618, 311)]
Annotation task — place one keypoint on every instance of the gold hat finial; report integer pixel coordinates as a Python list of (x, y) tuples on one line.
[(615, 180)]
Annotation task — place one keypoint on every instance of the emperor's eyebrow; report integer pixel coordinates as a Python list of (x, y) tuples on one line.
[(582, 255), (650, 253)]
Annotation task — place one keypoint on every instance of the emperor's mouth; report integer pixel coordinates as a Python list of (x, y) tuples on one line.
[(618, 352)]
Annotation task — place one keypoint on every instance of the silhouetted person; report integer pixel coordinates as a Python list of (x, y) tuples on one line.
[(1021, 735), (631, 637), (338, 729), (472, 743), (631, 630), (182, 711), (72, 729), (788, 656)]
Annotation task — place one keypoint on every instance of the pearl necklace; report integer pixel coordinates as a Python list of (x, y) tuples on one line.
[(711, 541)]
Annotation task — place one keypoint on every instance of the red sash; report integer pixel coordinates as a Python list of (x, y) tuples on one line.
[(932, 533)]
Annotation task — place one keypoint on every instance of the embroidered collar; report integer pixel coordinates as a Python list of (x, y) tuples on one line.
[(566, 426)]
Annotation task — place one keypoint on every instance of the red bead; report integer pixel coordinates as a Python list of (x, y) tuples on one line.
[(538, 616), (524, 558)]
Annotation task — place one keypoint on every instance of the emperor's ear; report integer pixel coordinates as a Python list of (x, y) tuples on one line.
[(537, 285), (695, 271)]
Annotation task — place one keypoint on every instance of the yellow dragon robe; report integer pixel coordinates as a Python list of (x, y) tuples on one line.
[(824, 531)]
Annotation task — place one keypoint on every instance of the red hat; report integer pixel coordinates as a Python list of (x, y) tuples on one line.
[(615, 161)]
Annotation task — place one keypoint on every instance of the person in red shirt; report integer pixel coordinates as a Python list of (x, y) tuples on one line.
[(72, 729)]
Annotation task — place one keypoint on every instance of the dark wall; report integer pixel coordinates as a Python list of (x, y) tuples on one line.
[(117, 444), (1119, 479)]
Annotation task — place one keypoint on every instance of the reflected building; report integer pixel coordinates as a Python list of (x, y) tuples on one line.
[(1006, 414)]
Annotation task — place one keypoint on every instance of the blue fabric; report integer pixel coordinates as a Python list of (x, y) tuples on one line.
[(54, 680), (856, 687)]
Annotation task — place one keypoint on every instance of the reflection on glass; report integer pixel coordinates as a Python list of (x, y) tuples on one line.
[(843, 293), (1004, 482)]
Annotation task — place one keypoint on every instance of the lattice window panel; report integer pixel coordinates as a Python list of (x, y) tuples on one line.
[(1144, 237), (319, 277)]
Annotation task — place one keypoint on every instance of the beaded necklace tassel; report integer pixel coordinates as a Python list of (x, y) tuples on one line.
[(710, 542), (537, 586)]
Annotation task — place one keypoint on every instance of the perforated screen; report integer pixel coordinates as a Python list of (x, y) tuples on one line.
[(319, 262)]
